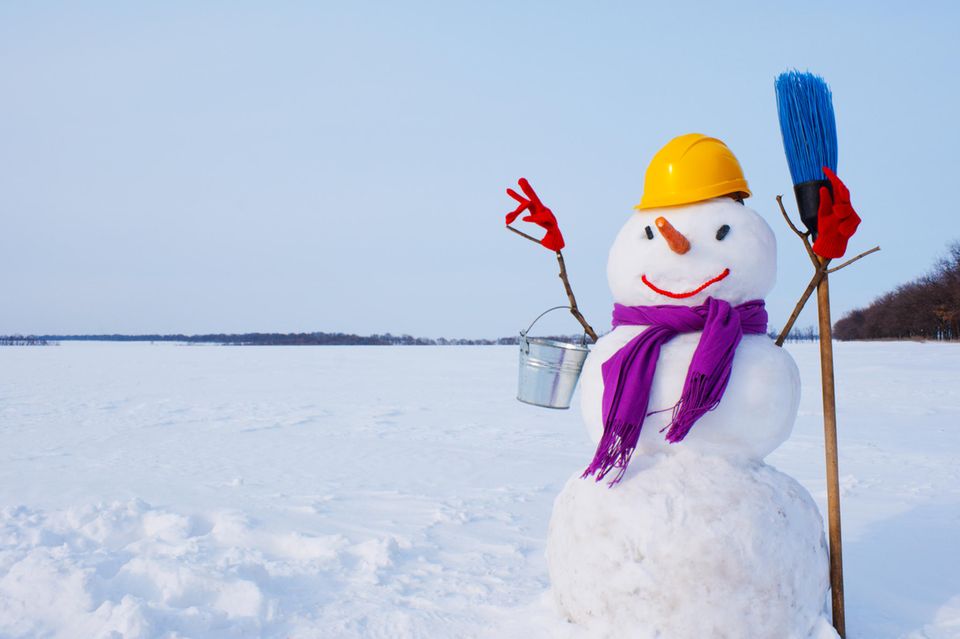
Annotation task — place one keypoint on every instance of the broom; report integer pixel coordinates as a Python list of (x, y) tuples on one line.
[(805, 110)]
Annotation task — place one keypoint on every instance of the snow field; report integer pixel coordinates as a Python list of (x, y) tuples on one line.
[(201, 491)]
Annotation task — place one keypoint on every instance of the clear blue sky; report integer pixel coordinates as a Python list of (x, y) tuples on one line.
[(199, 166)]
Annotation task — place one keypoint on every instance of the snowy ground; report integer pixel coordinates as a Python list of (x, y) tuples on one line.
[(206, 491)]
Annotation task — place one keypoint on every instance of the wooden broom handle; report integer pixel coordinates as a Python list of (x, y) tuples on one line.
[(830, 448)]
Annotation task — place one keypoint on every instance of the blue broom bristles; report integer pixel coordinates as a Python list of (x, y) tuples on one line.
[(805, 108)]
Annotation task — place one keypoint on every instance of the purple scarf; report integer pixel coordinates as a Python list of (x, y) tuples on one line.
[(628, 375)]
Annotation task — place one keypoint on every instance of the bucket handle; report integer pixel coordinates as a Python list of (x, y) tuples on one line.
[(549, 310)]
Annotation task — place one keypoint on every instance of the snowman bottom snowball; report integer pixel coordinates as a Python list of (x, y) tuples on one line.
[(691, 547)]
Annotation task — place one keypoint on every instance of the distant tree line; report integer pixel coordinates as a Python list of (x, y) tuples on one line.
[(796, 334), (276, 339), (320, 339), (23, 340), (926, 308)]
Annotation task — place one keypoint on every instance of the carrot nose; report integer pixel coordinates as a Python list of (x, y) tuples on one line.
[(675, 239)]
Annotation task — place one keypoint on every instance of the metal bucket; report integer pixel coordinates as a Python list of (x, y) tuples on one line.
[(549, 369)]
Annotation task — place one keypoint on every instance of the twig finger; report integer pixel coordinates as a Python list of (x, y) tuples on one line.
[(853, 259)]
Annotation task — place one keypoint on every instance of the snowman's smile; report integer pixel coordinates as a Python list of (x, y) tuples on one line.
[(664, 291)]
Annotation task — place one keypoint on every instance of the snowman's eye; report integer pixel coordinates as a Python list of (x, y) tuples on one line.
[(721, 232), (649, 232)]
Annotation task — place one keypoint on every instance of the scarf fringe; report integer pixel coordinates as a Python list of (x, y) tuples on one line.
[(614, 450)]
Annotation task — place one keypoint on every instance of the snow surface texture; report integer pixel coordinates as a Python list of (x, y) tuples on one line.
[(197, 491), (700, 538)]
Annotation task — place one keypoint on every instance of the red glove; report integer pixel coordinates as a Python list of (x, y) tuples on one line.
[(538, 214), (836, 219)]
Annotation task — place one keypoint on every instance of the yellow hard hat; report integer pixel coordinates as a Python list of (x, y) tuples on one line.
[(691, 168)]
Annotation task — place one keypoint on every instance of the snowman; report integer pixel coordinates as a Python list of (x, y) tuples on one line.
[(678, 529)]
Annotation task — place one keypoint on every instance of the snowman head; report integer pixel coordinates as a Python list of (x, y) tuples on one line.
[(684, 254)]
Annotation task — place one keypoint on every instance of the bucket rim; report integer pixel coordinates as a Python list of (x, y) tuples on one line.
[(553, 342)]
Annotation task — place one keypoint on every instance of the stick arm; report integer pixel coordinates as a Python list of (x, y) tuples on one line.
[(821, 269), (574, 309)]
